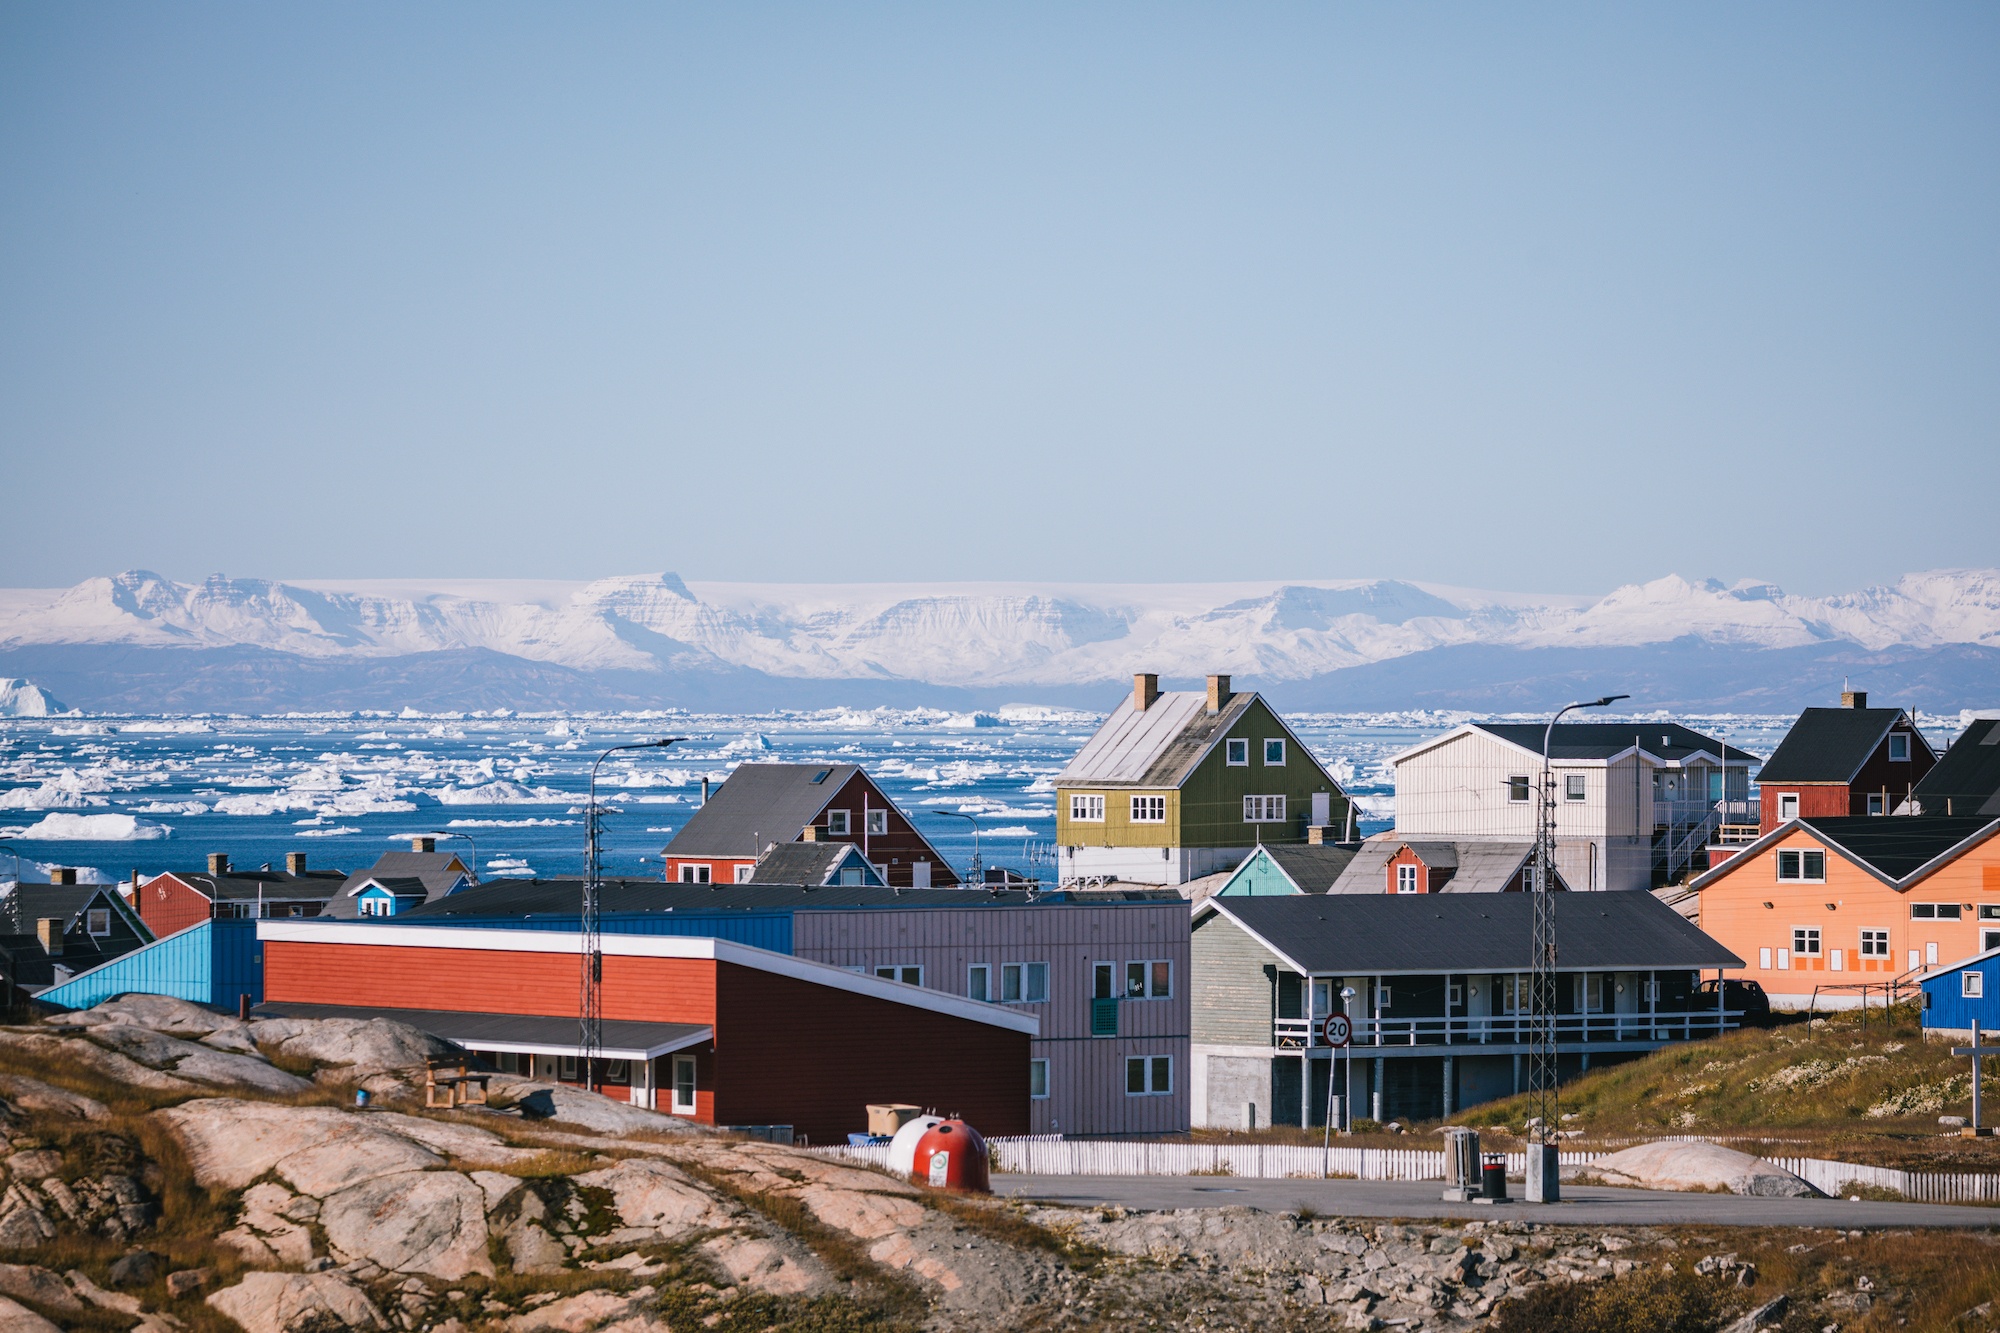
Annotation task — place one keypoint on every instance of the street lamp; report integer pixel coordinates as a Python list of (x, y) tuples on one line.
[(1543, 1174), (978, 862), (590, 1007), (467, 839)]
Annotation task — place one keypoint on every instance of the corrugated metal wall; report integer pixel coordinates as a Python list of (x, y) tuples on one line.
[(759, 930), (212, 962)]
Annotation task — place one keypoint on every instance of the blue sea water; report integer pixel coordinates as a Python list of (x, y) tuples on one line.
[(115, 794)]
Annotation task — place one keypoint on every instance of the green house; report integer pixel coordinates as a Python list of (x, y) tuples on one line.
[(1180, 784)]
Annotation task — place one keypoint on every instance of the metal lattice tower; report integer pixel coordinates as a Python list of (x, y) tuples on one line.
[(1542, 1071)]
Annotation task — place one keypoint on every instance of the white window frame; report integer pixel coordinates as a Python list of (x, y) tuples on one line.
[(1156, 1075), (696, 873), (680, 1107), (1038, 1072), (878, 823), (1788, 806), (1801, 857), (1086, 808), (1904, 737), (979, 982), (1878, 804), (900, 972), (1236, 752), (1022, 979), (840, 823), (1149, 809), (1406, 879), (1149, 979), (1874, 942), (1808, 935), (744, 871), (1520, 788), (1971, 985), (1279, 742), (1576, 787), (97, 922), (1263, 809)]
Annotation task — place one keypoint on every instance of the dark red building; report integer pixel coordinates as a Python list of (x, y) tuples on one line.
[(178, 899), (719, 1032), (764, 805), (1836, 762)]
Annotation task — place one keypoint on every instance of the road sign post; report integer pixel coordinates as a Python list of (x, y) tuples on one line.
[(1336, 1031)]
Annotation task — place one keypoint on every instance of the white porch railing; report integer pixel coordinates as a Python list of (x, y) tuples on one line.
[(1666, 1025)]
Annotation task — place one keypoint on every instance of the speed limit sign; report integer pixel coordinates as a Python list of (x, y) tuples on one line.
[(1336, 1029)]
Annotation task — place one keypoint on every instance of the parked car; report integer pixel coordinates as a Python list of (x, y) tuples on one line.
[(1747, 996)]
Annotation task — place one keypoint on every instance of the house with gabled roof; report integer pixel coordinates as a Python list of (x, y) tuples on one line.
[(1966, 780), (177, 899), (1281, 869), (399, 881), (762, 806), (1848, 899), (814, 865), (1850, 760), (1637, 803), (1180, 784)]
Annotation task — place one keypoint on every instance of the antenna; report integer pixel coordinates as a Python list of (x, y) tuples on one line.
[(590, 944)]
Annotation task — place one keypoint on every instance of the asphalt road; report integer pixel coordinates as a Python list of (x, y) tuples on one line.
[(1582, 1205)]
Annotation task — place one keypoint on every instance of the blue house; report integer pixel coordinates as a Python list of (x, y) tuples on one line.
[(214, 963), (1285, 870), (1959, 993)]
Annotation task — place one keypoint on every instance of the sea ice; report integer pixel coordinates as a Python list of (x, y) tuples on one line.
[(92, 828)]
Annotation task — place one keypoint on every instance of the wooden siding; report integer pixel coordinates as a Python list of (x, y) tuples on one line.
[(896, 851), (1086, 1074), (166, 905), (1117, 829), (1817, 800), (1233, 996)]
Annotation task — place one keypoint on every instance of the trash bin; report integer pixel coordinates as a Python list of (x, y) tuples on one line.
[(1493, 1178)]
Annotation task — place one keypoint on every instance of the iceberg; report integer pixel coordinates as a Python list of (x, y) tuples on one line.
[(501, 793), (93, 828), (24, 698)]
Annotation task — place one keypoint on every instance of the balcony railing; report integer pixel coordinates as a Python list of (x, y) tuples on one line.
[(1508, 1029)]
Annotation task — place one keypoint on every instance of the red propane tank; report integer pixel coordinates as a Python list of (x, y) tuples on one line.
[(952, 1156)]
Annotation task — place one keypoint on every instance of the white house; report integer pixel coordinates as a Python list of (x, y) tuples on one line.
[(1636, 802)]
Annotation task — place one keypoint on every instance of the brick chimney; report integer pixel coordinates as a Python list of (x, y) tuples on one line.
[(1218, 693), (1854, 698), (49, 930), (62, 874), (218, 863), (423, 844), (1145, 689), (295, 863)]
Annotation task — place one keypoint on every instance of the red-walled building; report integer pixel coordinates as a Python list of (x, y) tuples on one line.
[(719, 1032), (764, 805), (1837, 762), (178, 899)]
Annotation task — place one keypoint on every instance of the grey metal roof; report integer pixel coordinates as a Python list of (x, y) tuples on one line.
[(403, 886), (1157, 748), (757, 805), (270, 885), (1966, 780), (433, 870), (1477, 866), (811, 863), (506, 898), (1367, 934), (546, 1034), (1313, 869), (1831, 744), (25, 904), (1602, 740)]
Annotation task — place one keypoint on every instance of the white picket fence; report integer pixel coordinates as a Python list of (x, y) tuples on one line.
[(1046, 1156)]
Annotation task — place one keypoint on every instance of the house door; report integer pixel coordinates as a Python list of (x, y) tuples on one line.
[(920, 874), (1103, 975)]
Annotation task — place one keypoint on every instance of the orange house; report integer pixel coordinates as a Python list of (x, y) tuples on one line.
[(1839, 901)]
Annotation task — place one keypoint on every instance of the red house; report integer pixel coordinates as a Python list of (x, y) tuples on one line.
[(1836, 762), (762, 805), (719, 1032), (179, 899)]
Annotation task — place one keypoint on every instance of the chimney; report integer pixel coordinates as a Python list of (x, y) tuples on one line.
[(218, 863), (1145, 689), (423, 844), (49, 931), (1218, 693), (808, 834), (62, 874), (295, 863), (1315, 835), (704, 789), (1854, 698)]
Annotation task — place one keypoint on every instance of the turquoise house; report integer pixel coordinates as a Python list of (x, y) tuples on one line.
[(1282, 870)]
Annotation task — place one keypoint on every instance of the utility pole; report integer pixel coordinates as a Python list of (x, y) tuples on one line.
[(590, 1001), (1544, 1180)]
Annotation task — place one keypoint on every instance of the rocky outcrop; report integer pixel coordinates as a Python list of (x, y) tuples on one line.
[(349, 1048), (1697, 1166), (428, 1222), (573, 1106), (298, 1303)]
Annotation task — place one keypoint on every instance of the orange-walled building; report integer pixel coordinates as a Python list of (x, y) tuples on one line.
[(1840, 901)]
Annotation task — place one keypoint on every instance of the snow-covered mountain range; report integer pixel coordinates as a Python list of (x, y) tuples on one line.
[(977, 636)]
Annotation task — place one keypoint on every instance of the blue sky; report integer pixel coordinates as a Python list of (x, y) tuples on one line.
[(1535, 297)]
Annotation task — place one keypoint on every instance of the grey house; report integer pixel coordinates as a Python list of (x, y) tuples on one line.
[(56, 930), (1440, 1009), (399, 881)]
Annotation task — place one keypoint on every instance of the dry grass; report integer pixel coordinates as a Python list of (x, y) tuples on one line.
[(1003, 1224)]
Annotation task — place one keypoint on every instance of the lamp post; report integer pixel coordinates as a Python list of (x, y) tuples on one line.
[(1543, 1174), (466, 838), (590, 1007), (978, 862)]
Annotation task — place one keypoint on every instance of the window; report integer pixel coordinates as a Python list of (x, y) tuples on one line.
[(568, 1070), (1764, 959), (684, 1084), (1149, 809), (743, 873), (1517, 789), (1574, 787), (1454, 993), (1406, 879), (1024, 983), (1382, 996), (1149, 980), (1935, 911), (1807, 867), (617, 1071), (98, 921), (1263, 809), (1805, 941), (1087, 809), (1875, 804), (1874, 944), (836, 823), (1100, 983), (909, 976), (1274, 754), (1149, 1075), (1971, 985), (1236, 753), (1788, 805), (979, 981), (1038, 1079), (694, 874), (878, 823), (378, 905), (1989, 911), (1590, 992), (1899, 747)]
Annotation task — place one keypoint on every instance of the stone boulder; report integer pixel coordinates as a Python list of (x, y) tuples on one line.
[(192, 1060), (583, 1311), (271, 1227), (74, 1052), (18, 1318), (352, 1047), (297, 1303), (657, 1196), (315, 1149), (430, 1222), (161, 1013), (31, 1094), (590, 1110), (761, 1265), (31, 1282), (1697, 1166)]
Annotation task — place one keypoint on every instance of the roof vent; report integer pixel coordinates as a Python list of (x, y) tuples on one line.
[(1145, 689), (218, 863)]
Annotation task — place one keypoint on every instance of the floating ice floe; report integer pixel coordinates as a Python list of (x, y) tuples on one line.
[(510, 823), (970, 720), (171, 808), (500, 793), (1013, 831), (92, 828), (67, 790), (339, 832), (755, 742), (179, 726)]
